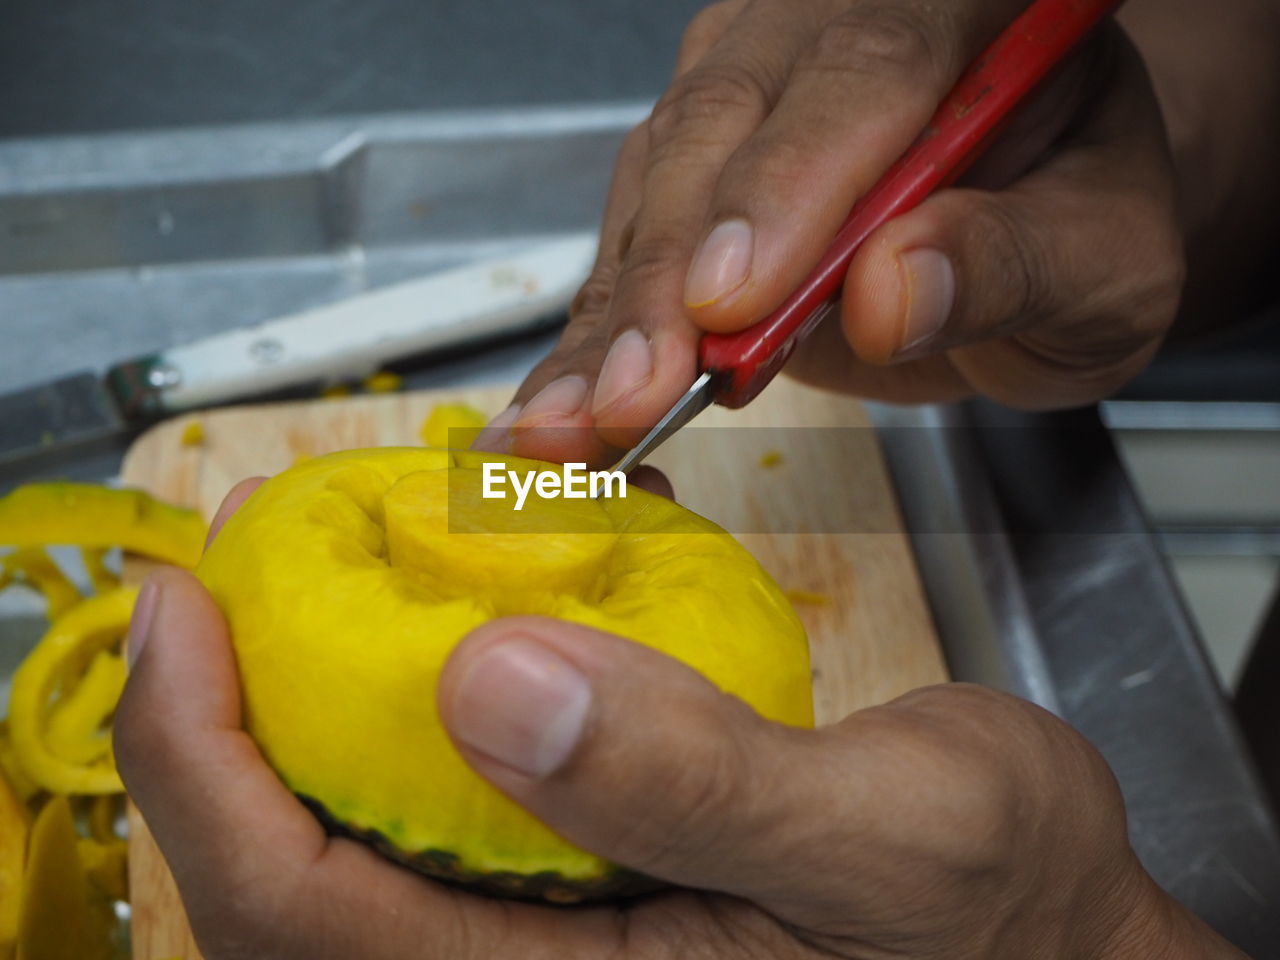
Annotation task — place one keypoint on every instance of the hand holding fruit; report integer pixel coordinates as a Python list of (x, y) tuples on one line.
[(953, 822)]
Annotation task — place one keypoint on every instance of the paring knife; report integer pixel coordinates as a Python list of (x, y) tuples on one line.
[(735, 367), (348, 338)]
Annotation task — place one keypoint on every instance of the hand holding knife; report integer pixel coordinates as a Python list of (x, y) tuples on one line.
[(735, 367), (355, 336)]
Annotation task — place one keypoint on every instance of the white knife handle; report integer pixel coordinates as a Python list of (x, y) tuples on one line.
[(356, 336)]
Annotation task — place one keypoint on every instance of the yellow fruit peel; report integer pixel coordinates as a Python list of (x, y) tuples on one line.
[(105, 866), (101, 576), (103, 810), (60, 660), (60, 915), (77, 722), (13, 848), (32, 567), (90, 516), (11, 769), (56, 887)]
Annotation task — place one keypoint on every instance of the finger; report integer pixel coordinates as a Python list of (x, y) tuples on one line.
[(254, 866), (591, 305), (187, 764), (635, 757), (705, 30), (585, 313), (703, 792), (825, 360), (642, 356), (1050, 293), (232, 502), (556, 425), (857, 98)]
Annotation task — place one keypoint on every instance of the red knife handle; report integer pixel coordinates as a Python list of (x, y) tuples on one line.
[(743, 363)]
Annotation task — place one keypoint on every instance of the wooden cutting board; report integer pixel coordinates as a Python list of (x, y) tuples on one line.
[(870, 641)]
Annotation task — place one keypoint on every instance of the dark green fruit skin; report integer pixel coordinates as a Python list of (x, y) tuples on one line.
[(548, 887)]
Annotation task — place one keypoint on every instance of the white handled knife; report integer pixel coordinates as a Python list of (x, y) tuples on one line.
[(346, 339)]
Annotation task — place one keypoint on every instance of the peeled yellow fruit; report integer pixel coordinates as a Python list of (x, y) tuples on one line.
[(347, 581)]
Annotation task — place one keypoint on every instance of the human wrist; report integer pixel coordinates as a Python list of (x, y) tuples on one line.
[(1154, 925), (1214, 70)]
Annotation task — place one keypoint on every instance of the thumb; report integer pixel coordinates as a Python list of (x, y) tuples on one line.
[(637, 758), (1059, 287), (180, 748)]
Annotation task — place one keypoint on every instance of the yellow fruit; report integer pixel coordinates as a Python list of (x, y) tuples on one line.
[(348, 579)]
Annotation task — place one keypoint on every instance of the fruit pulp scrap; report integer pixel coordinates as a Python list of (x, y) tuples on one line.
[(442, 530)]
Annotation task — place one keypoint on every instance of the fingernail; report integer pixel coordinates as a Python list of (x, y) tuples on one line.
[(931, 292), (559, 398), (627, 365), (144, 610), (495, 436), (721, 264), (522, 705)]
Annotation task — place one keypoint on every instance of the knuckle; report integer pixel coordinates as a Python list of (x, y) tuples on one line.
[(635, 143), (702, 784), (1160, 278), (1019, 258), (969, 738), (698, 99), (1138, 277), (625, 238), (700, 792), (884, 40), (706, 27), (592, 300), (650, 259), (772, 167)]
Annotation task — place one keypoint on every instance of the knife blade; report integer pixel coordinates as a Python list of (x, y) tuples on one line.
[(345, 339), (735, 367)]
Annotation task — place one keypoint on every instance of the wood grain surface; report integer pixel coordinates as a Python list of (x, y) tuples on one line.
[(821, 517)]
